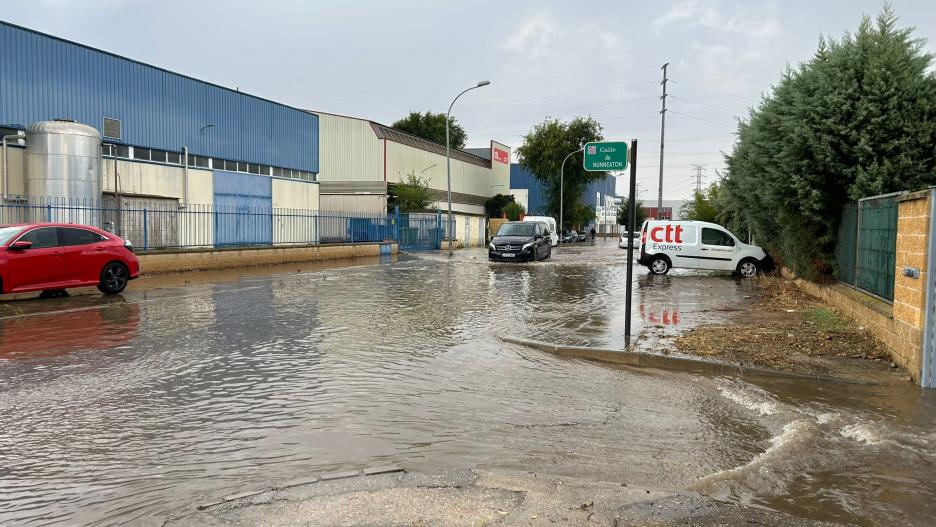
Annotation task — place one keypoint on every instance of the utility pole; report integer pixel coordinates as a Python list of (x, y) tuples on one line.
[(662, 136), (698, 176)]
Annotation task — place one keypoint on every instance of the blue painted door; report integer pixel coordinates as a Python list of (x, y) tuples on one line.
[(243, 209)]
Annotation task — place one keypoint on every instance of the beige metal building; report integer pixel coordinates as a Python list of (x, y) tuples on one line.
[(360, 158)]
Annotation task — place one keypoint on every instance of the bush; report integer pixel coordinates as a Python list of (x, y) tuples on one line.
[(514, 211)]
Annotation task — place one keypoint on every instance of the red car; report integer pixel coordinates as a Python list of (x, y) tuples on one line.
[(57, 256)]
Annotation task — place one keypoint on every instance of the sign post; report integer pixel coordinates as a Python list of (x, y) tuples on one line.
[(631, 221), (609, 156)]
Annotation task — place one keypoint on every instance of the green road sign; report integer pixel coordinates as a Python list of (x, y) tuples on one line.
[(605, 156)]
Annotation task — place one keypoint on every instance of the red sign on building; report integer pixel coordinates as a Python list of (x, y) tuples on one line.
[(501, 156)]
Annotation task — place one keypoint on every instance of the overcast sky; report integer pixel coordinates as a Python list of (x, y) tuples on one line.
[(381, 59)]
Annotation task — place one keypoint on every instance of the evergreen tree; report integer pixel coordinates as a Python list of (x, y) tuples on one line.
[(857, 119)]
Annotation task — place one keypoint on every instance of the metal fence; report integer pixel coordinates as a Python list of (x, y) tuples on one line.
[(169, 225), (866, 249)]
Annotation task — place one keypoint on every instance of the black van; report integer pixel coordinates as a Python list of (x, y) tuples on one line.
[(521, 241)]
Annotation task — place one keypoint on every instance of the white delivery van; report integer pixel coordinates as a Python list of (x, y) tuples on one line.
[(551, 223), (697, 245)]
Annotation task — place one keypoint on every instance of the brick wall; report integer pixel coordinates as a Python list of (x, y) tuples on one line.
[(913, 225), (899, 326)]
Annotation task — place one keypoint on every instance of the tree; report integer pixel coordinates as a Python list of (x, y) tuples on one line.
[(411, 195), (703, 207), (514, 210), (543, 151), (623, 211), (431, 126), (494, 206), (857, 119)]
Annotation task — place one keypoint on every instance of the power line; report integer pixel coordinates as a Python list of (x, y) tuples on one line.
[(557, 110), (732, 110), (712, 91), (558, 95), (708, 120)]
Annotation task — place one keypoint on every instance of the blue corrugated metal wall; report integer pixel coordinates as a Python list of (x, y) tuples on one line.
[(43, 77), (606, 187), (522, 178), (244, 207)]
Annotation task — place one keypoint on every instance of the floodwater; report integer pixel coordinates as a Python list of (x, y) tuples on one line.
[(135, 409)]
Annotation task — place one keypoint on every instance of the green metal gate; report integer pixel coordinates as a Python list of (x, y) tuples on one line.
[(866, 249)]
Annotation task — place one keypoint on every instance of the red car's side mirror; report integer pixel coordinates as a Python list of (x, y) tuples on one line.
[(20, 246)]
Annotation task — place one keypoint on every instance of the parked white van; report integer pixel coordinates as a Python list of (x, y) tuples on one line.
[(553, 235), (697, 245)]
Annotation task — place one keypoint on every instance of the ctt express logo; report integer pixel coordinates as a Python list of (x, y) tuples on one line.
[(667, 238)]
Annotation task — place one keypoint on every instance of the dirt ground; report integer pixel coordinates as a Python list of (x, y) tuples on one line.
[(789, 330)]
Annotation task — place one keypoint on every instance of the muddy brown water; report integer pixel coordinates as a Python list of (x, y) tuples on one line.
[(137, 408)]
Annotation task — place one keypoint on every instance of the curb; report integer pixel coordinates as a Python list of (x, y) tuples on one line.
[(639, 359), (373, 471)]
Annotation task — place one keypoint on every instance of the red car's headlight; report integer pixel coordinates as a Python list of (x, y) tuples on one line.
[(128, 245)]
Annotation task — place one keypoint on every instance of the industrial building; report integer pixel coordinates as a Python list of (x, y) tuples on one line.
[(531, 193), (361, 160), (175, 141), (171, 142)]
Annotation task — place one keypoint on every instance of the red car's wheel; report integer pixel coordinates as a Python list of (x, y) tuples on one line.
[(114, 278)]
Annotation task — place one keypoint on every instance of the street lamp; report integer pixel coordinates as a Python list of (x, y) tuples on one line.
[(448, 160), (562, 190)]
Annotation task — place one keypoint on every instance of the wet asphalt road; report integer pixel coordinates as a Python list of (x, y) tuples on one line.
[(136, 408)]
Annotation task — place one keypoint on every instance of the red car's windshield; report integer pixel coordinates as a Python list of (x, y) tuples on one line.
[(6, 233)]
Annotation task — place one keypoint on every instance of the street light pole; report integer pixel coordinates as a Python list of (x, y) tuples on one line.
[(562, 191), (448, 160)]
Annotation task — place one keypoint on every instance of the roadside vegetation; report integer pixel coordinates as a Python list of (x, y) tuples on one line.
[(623, 211), (858, 119), (786, 329), (411, 195), (542, 153)]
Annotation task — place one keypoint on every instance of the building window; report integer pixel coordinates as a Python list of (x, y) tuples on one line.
[(158, 156), (174, 158), (141, 154), (253, 168), (265, 170), (230, 166), (199, 161)]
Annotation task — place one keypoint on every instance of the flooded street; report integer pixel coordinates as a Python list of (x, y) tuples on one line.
[(135, 409)]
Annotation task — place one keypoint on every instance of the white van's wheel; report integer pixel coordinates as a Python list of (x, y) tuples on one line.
[(747, 268), (659, 265)]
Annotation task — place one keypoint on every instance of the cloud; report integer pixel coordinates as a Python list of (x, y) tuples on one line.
[(723, 40), (561, 43)]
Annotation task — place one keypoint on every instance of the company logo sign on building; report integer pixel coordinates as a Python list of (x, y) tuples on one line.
[(501, 156)]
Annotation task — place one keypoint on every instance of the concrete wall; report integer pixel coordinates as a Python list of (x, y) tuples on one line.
[(469, 230), (297, 225), (182, 261), (354, 203)]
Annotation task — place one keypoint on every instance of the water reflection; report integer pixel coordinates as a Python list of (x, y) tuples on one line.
[(83, 329)]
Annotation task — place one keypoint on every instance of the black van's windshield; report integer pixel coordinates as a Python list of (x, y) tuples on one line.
[(516, 229)]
